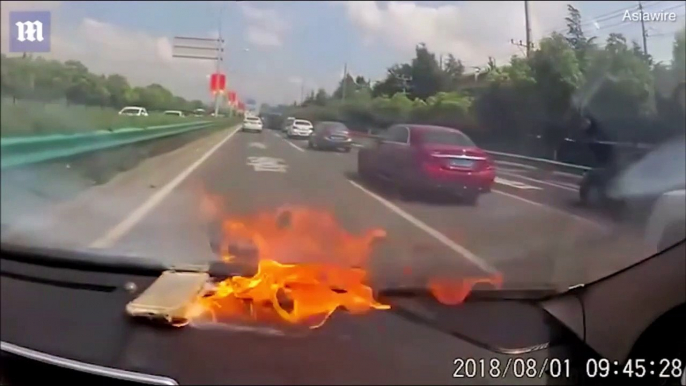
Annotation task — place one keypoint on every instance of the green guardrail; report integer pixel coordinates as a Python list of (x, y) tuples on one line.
[(17, 151)]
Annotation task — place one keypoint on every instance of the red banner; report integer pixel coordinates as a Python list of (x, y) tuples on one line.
[(232, 97), (217, 83), (241, 106)]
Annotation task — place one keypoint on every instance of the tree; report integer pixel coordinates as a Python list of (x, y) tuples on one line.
[(321, 97), (346, 87), (427, 77), (622, 82), (558, 74), (576, 37), (50, 80), (361, 82), (118, 87), (309, 99), (396, 81), (454, 70)]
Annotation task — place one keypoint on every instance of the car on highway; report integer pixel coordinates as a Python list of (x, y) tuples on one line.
[(134, 111), (251, 123), (300, 128), (271, 121), (175, 113), (330, 135), (287, 124), (420, 158)]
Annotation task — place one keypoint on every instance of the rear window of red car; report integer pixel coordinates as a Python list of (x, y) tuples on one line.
[(445, 137)]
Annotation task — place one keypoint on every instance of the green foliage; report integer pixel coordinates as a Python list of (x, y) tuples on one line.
[(51, 80), (24, 118), (41, 96), (541, 99)]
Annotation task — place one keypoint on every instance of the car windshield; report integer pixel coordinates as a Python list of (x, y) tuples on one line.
[(441, 137), (563, 129)]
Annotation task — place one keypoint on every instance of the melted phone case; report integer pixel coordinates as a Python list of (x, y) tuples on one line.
[(170, 297)]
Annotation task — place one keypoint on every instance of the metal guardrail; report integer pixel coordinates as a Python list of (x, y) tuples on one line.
[(27, 150), (577, 169)]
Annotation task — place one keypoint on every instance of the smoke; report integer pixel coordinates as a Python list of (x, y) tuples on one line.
[(661, 170)]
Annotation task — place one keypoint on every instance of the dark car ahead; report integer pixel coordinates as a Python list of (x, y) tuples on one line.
[(330, 135), (420, 158), (272, 121)]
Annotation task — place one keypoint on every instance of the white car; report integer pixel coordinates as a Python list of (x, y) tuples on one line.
[(252, 124), (300, 128), (134, 111), (175, 113), (287, 124)]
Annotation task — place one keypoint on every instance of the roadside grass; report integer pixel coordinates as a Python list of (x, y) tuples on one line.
[(28, 118)]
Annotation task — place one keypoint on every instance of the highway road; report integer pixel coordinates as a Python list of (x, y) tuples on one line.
[(528, 228)]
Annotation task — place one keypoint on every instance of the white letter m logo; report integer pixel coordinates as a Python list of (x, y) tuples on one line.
[(30, 30)]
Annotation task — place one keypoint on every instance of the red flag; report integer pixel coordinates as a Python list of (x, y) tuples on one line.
[(232, 97), (217, 83)]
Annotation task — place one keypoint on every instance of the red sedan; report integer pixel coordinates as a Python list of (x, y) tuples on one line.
[(421, 158)]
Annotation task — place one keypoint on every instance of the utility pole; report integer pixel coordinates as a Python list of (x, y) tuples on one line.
[(404, 81), (528, 28), (345, 80), (521, 44), (197, 48), (643, 29)]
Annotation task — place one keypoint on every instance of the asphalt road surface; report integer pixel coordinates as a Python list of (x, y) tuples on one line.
[(529, 228)]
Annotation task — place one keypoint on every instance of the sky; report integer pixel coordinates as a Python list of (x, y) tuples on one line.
[(276, 50)]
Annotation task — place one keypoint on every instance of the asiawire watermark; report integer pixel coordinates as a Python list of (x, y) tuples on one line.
[(650, 16), (29, 31)]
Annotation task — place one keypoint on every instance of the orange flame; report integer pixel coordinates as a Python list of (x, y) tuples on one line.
[(308, 266), (453, 292)]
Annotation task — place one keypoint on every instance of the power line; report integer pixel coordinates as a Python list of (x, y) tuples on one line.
[(643, 30), (624, 23), (604, 17)]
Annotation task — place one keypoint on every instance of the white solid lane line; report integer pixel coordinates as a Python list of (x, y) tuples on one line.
[(119, 230), (443, 239)]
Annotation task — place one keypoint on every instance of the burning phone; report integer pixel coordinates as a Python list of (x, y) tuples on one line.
[(170, 299)]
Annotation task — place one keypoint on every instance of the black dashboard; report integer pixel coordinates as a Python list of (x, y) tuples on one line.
[(68, 322)]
